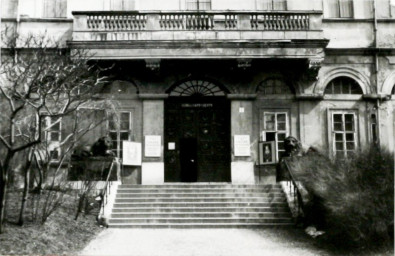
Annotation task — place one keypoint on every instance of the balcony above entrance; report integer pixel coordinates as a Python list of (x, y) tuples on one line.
[(208, 34)]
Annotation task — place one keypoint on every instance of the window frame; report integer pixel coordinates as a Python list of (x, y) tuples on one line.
[(58, 13), (118, 149), (272, 3), (332, 131), (53, 145), (286, 132), (336, 13), (340, 84), (198, 5)]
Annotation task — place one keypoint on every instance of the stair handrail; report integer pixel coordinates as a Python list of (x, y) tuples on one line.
[(295, 188), (107, 187)]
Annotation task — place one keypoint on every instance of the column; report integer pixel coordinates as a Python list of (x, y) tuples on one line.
[(243, 151), (153, 170)]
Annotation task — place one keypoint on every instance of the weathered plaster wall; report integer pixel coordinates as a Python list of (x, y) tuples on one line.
[(348, 34)]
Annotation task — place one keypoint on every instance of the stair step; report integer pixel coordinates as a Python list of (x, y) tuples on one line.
[(201, 225), (201, 220), (195, 191), (201, 185), (199, 199), (283, 208), (200, 204), (202, 215), (122, 193)]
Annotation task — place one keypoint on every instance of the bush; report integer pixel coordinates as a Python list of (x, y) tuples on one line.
[(353, 198)]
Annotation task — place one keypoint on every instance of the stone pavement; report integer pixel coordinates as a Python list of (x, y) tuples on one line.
[(202, 242)]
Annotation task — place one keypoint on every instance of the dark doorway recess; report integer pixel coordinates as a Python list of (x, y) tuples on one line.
[(197, 139)]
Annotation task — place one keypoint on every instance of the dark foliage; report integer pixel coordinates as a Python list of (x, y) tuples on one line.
[(353, 198)]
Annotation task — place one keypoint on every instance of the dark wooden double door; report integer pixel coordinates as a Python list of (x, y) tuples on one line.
[(197, 139)]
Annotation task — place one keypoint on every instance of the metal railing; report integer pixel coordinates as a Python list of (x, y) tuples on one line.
[(294, 190), (107, 186)]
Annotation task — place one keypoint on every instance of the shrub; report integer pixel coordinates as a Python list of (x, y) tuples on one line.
[(353, 197)]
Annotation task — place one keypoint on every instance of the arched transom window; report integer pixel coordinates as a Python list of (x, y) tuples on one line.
[(273, 86), (343, 85), (197, 88)]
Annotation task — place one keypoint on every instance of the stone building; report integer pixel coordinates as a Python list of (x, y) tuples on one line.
[(207, 86)]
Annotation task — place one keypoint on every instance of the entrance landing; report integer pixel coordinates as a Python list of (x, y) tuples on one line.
[(203, 242)]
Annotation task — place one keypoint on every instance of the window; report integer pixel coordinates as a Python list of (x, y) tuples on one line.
[(53, 134), (393, 90), (197, 88), (343, 85), (273, 86), (120, 129), (344, 133), (122, 5), (373, 128), (202, 5), (275, 126), (340, 8), (271, 4), (55, 8)]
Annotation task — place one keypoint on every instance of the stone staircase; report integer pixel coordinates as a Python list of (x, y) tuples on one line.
[(200, 205)]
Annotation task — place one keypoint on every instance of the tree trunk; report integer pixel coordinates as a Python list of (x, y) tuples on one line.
[(4, 169), (39, 170), (80, 205), (25, 192), (3, 191)]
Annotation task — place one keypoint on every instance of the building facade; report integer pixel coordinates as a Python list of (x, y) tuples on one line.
[(210, 88)]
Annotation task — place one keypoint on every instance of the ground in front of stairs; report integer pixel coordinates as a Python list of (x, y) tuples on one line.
[(202, 242)]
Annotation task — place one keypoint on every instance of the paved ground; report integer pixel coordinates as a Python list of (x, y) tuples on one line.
[(202, 242)]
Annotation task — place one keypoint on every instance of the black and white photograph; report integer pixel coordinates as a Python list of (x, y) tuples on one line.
[(197, 127)]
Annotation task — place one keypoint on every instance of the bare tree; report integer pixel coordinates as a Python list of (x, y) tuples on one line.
[(38, 79), (69, 136)]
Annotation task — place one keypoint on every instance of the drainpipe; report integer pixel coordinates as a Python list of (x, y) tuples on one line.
[(376, 70)]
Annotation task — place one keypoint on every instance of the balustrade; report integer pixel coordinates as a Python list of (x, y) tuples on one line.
[(186, 22), (264, 21), (116, 21), (275, 22)]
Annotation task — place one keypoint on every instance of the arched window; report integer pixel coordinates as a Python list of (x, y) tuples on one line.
[(273, 86), (343, 85), (393, 90), (197, 88)]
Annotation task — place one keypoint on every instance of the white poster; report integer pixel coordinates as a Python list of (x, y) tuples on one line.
[(152, 146), (242, 145), (131, 153)]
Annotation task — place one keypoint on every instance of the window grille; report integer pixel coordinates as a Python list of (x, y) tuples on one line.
[(343, 85), (197, 88)]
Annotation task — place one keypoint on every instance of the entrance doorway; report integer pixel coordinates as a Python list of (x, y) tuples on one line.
[(197, 139)]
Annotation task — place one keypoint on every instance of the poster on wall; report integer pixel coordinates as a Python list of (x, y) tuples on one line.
[(152, 146), (242, 145), (131, 153), (267, 152)]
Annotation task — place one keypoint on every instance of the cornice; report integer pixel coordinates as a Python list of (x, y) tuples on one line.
[(188, 44)]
